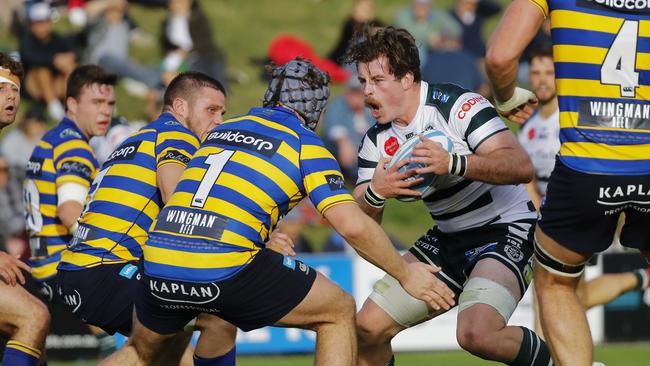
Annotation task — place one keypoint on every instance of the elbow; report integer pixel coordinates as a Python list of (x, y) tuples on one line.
[(498, 60), (352, 231), (527, 171)]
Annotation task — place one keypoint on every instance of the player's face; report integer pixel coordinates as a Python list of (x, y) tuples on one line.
[(384, 93), (542, 78), (206, 111), (94, 109), (9, 100)]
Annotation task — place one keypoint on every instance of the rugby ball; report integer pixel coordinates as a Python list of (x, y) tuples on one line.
[(427, 186)]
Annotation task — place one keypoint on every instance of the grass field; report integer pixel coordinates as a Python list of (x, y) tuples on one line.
[(636, 354)]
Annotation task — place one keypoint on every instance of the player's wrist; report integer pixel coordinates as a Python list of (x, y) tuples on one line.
[(519, 96), (374, 199), (457, 164)]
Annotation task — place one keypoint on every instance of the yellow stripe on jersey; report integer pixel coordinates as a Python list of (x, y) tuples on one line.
[(110, 221), (48, 210), (238, 184), (541, 5), (289, 153), (315, 152), (44, 271), (576, 20), (72, 179), (267, 123), (131, 170), (593, 88), (197, 260), (601, 151), (44, 144), (593, 55), (86, 260), (134, 200), (329, 202), (233, 238), (269, 170), (177, 135), (71, 145), (53, 230), (45, 187), (48, 166)]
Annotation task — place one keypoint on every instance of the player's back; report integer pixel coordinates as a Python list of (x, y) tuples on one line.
[(248, 172), (602, 66), (62, 156), (125, 197)]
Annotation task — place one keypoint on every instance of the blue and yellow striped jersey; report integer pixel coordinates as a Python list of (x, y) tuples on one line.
[(125, 198), (62, 156), (249, 172), (601, 51)]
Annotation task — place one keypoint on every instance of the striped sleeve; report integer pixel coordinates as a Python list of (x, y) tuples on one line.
[(74, 161), (474, 118), (542, 5), (175, 147), (367, 160), (322, 176)]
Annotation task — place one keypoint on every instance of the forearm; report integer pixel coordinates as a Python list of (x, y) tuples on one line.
[(502, 166), (374, 212), (68, 212)]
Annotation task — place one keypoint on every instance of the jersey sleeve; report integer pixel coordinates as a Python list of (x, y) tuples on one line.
[(74, 162), (322, 176), (475, 119), (175, 147), (368, 158), (542, 5)]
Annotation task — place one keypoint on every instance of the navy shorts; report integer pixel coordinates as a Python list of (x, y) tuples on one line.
[(581, 211), (262, 293), (101, 296), (457, 253), (46, 290)]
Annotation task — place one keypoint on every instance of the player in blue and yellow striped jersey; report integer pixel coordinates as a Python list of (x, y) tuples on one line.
[(206, 253), (98, 271), (61, 169), (601, 51)]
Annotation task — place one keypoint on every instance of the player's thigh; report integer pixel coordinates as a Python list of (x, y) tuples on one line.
[(19, 308), (147, 342), (635, 232), (325, 302)]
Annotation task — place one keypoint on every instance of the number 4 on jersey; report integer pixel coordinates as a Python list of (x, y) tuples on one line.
[(619, 67)]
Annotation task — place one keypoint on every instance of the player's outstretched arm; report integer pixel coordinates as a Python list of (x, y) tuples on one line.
[(10, 269), (516, 29), (372, 243)]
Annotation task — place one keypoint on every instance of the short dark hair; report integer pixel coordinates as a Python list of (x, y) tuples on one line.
[(185, 85), (7, 62), (396, 44), (542, 51), (87, 75)]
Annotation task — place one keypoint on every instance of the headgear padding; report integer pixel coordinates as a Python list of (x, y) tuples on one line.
[(300, 86)]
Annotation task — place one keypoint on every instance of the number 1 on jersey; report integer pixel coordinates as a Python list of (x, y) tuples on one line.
[(619, 67), (215, 164)]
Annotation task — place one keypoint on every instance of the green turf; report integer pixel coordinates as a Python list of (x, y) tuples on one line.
[(635, 354)]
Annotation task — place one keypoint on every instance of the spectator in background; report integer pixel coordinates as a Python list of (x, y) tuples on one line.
[(12, 225), (363, 13), (450, 63), (18, 143), (48, 59), (425, 24), (471, 15), (346, 122), (188, 43)]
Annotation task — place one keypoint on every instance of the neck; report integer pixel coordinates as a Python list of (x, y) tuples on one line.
[(72, 118), (178, 118), (547, 109), (410, 106)]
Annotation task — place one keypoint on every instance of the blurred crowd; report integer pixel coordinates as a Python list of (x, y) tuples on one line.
[(451, 45)]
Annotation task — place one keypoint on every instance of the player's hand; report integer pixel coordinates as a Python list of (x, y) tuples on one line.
[(10, 269), (422, 284), (281, 243), (391, 183), (433, 155), (520, 107)]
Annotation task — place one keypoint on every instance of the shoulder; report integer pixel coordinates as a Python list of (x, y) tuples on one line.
[(444, 96), (375, 130)]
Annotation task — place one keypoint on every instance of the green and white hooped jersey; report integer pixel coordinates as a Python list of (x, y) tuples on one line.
[(468, 120)]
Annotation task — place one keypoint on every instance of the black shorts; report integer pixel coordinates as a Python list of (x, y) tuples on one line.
[(266, 290), (457, 253), (101, 296), (581, 210), (46, 290)]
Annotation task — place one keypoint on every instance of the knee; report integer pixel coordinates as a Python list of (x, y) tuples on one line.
[(370, 331), (474, 341), (346, 307), (35, 316)]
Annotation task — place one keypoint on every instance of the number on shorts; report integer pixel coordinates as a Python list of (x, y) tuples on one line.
[(216, 163), (619, 67)]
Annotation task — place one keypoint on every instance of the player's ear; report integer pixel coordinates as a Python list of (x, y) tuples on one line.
[(181, 107), (71, 105), (407, 81)]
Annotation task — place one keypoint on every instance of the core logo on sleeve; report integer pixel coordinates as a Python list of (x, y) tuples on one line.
[(184, 292), (76, 168), (391, 145), (468, 104), (69, 132), (248, 140), (176, 155), (191, 222), (335, 182), (124, 152), (35, 167)]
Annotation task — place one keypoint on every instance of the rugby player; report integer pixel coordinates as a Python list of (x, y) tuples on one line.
[(603, 169), (23, 318), (206, 254), (482, 240), (98, 272)]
